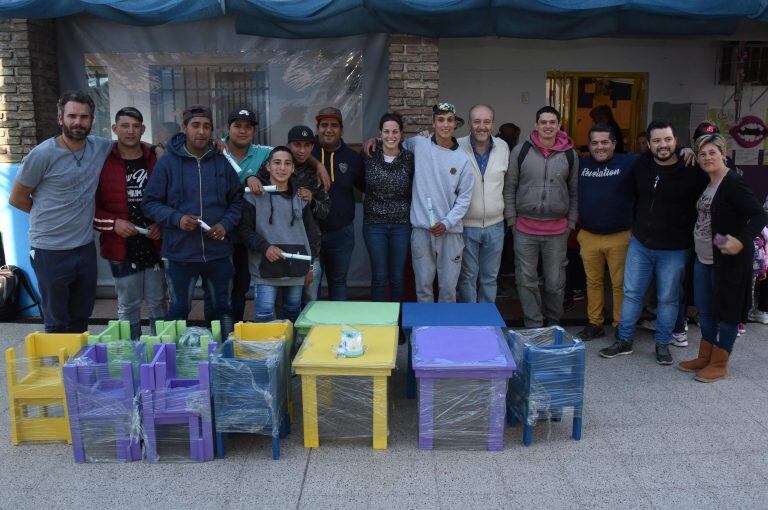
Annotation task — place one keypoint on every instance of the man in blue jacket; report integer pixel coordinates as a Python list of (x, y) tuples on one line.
[(338, 231), (195, 195)]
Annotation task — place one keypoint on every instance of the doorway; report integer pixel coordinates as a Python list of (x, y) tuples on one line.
[(581, 96)]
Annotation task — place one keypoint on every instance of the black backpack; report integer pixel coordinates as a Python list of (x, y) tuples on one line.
[(12, 279)]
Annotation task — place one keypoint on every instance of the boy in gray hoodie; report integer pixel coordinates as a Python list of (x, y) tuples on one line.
[(442, 190)]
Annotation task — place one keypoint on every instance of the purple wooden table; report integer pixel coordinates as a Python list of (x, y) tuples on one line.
[(480, 358)]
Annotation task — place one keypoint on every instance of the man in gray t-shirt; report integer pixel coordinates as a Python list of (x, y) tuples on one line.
[(56, 185)]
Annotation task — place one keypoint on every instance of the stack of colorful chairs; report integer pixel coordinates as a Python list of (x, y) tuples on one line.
[(248, 385), (103, 408), (177, 419), (549, 379), (36, 398)]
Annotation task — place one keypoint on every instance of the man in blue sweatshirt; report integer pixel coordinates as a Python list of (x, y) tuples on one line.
[(606, 199), (338, 233), (195, 195), (442, 191)]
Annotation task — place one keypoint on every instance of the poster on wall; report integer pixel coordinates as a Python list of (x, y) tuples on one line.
[(747, 137)]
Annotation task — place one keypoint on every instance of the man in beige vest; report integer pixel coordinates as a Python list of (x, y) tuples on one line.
[(484, 221)]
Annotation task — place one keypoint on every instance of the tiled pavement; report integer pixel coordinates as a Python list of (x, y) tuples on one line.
[(653, 438)]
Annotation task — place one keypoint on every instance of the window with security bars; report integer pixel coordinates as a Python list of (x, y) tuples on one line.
[(98, 89), (754, 61), (223, 87)]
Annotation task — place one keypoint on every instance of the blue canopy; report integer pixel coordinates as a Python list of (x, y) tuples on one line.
[(559, 19), (132, 12)]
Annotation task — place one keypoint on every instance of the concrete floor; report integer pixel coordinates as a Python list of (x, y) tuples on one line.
[(653, 438)]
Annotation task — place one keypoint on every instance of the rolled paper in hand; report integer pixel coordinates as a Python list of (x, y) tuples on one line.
[(297, 256), (232, 162), (203, 225), (270, 188), (141, 230)]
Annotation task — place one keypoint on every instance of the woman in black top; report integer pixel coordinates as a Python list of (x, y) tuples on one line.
[(729, 218), (387, 208)]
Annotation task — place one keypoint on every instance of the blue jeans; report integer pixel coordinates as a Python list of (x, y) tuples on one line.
[(668, 267), (241, 282), (336, 253), (480, 263), (387, 248), (217, 278), (264, 299), (67, 283), (722, 334), (137, 286), (312, 291)]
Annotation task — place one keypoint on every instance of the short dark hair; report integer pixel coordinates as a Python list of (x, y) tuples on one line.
[(602, 128), (129, 111), (281, 148), (547, 109), (660, 124), (391, 117), (76, 96)]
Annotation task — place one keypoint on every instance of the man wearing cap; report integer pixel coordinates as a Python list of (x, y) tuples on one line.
[(442, 191), (241, 129), (128, 241), (196, 196), (301, 141), (345, 167), (484, 221)]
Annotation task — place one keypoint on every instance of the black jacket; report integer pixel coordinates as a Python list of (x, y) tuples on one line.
[(665, 203), (345, 167), (735, 211)]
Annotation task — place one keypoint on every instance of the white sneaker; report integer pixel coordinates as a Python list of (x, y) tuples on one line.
[(648, 324), (742, 330), (758, 316), (679, 339)]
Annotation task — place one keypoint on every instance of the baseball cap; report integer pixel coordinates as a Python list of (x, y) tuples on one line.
[(328, 113), (197, 110), (301, 134), (242, 113), (445, 108)]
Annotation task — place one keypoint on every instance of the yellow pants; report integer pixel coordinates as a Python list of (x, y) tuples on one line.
[(596, 250)]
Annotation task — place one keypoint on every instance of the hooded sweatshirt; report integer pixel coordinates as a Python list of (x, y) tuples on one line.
[(442, 177), (183, 184), (544, 192), (280, 218), (345, 166)]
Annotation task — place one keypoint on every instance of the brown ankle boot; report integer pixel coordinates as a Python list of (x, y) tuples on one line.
[(705, 351), (717, 368)]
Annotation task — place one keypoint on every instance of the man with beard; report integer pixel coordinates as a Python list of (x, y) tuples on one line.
[(196, 196), (484, 221), (665, 193), (127, 240), (56, 185)]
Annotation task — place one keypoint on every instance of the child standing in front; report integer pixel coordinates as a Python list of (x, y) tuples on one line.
[(274, 226)]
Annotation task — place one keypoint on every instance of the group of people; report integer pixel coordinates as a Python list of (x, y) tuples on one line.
[(277, 219)]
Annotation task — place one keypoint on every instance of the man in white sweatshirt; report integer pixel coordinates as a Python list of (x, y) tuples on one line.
[(484, 221), (442, 191)]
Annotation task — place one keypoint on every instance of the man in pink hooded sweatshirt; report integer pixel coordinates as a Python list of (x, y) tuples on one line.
[(540, 205)]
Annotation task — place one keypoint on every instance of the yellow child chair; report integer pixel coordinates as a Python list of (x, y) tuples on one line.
[(42, 387), (266, 332)]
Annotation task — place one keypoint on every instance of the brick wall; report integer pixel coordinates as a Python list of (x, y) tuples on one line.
[(414, 78), (29, 85)]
